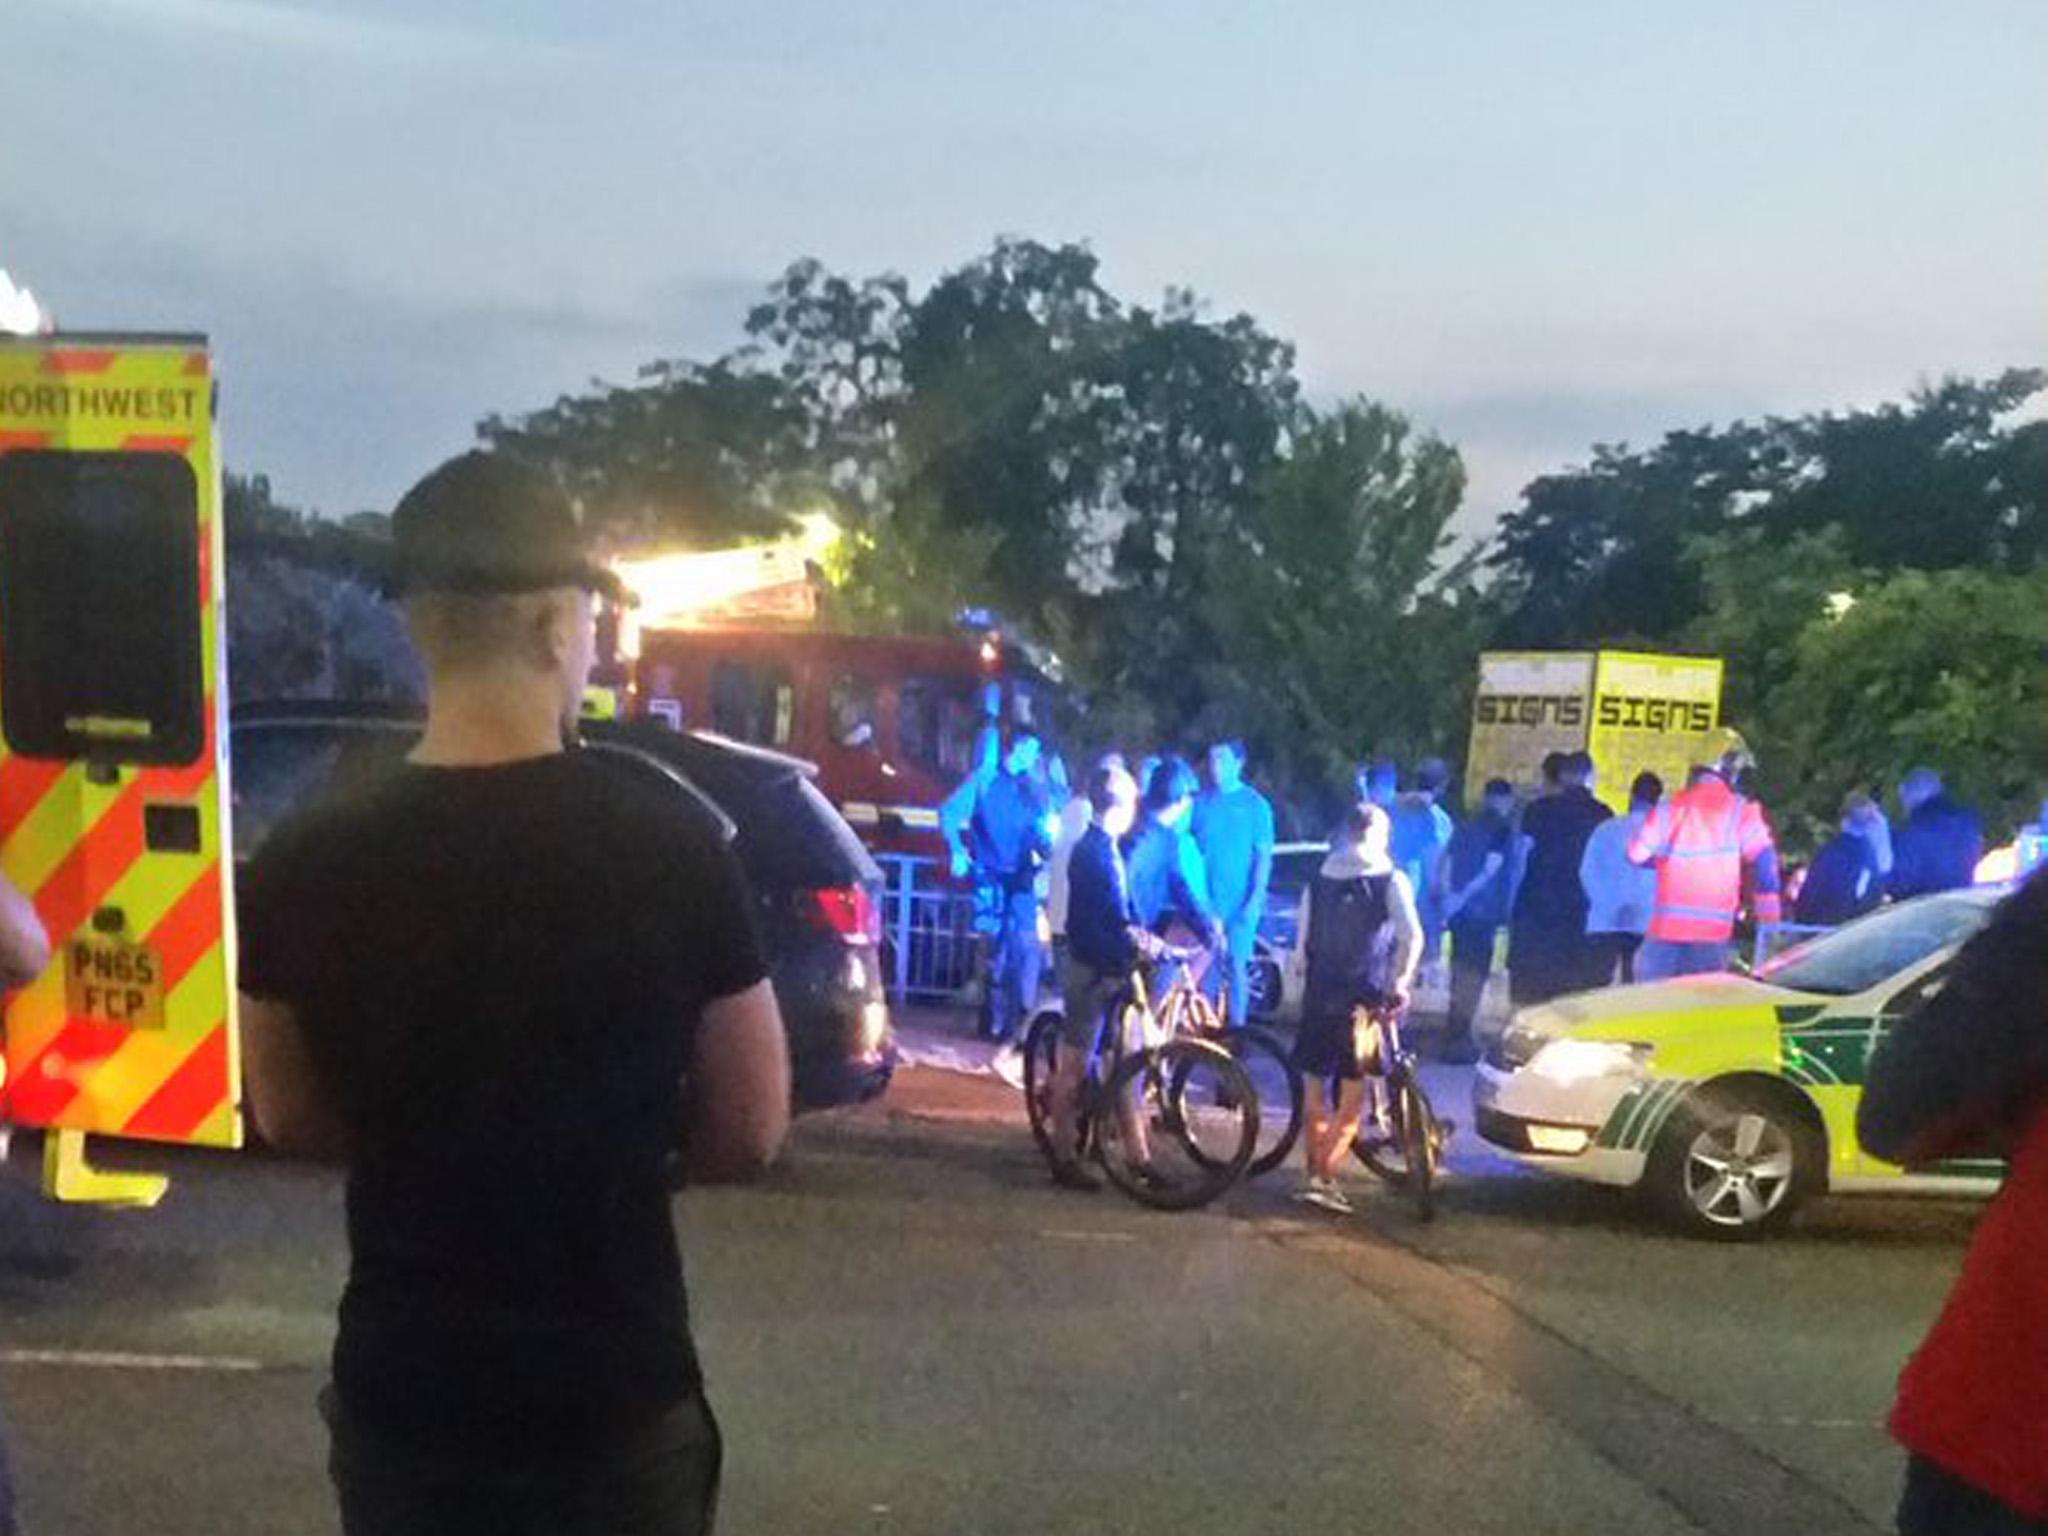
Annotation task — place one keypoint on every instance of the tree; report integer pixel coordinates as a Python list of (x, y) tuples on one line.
[(1759, 593), (306, 611), (697, 454), (1929, 485), (1344, 633), (1606, 554), (1941, 668)]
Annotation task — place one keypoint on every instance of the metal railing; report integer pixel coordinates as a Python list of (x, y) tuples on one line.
[(929, 947)]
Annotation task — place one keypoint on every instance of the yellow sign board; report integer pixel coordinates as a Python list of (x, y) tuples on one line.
[(1630, 712), (1528, 705), (1654, 714)]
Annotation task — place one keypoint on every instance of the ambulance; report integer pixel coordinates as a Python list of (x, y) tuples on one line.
[(1730, 1100), (113, 771)]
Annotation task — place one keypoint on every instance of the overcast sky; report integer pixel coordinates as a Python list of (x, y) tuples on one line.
[(1531, 224)]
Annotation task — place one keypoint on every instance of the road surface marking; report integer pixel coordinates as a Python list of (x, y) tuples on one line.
[(1061, 1235), (115, 1360)]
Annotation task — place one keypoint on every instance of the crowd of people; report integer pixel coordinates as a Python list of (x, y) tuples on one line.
[(1198, 861), (1586, 896)]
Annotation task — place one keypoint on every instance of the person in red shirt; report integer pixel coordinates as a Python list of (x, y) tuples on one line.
[(1966, 1075)]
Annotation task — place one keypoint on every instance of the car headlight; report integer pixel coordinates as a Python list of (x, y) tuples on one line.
[(1578, 1061), (1519, 1042)]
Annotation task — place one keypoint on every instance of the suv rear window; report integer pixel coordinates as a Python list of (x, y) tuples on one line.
[(789, 833)]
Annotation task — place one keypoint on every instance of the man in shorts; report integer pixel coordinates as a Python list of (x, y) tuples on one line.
[(1103, 943), (501, 986), (1362, 939)]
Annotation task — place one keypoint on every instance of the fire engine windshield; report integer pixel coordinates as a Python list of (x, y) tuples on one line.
[(100, 652)]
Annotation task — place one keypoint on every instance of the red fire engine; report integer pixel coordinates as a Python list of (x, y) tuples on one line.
[(724, 643)]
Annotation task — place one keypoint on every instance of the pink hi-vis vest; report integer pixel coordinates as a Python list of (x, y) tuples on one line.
[(1699, 840)]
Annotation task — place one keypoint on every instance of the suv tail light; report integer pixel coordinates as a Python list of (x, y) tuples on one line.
[(846, 910)]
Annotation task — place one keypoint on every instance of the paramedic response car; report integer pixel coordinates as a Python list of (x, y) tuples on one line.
[(1728, 1099)]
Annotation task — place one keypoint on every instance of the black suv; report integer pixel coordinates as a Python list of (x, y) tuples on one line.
[(817, 891)]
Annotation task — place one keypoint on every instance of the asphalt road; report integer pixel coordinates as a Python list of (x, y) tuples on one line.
[(908, 1331)]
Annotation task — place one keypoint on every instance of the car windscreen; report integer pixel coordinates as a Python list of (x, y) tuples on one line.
[(1874, 949)]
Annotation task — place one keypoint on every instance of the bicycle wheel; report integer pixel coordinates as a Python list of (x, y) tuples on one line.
[(1276, 1085), (1380, 1146), (1042, 1050), (1177, 1125), (1417, 1124)]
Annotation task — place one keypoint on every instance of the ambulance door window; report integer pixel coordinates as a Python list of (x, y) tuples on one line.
[(100, 622)]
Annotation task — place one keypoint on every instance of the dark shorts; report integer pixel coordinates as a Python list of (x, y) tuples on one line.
[(660, 1481), (1329, 1046), (1085, 992)]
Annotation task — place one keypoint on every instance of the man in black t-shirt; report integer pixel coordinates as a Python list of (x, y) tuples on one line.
[(1474, 879), (497, 986), (1547, 930)]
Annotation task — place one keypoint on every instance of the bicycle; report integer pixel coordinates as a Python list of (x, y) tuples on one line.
[(1185, 1009), (1410, 1156), (1173, 1120)]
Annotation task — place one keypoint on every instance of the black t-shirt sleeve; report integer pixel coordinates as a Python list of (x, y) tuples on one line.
[(278, 912), (724, 934)]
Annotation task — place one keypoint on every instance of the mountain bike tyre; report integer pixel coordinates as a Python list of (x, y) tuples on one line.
[(1156, 1073)]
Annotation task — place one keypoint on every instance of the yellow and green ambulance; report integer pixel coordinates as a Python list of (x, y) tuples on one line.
[(1729, 1099)]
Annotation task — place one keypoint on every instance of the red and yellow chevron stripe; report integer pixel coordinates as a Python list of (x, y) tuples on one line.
[(78, 846)]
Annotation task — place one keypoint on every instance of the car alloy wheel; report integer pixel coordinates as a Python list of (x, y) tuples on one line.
[(1738, 1171)]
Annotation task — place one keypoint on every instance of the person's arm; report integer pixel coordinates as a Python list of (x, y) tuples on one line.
[(1457, 898), (739, 1088), (287, 1100), (1651, 842), (1191, 877), (955, 812), (1408, 939), (1262, 861), (1953, 1077), (1761, 852), (1592, 861), (1904, 880), (24, 943)]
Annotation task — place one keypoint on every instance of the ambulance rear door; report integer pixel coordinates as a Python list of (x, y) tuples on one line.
[(113, 782)]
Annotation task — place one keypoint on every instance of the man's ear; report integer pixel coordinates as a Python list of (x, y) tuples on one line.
[(550, 629)]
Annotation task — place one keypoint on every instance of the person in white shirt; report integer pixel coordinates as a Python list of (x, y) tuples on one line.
[(1619, 894), (1361, 941)]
